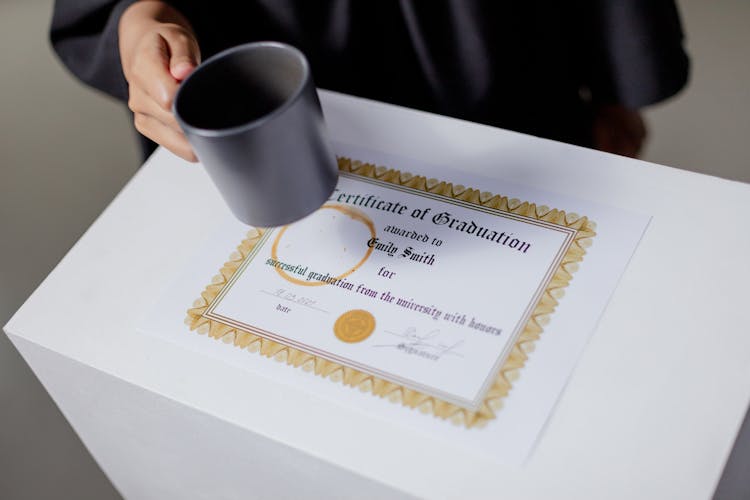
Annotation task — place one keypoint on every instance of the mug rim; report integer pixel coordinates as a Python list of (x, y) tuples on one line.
[(293, 97)]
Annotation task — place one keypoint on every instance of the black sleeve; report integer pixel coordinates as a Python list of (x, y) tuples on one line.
[(638, 52), (84, 36)]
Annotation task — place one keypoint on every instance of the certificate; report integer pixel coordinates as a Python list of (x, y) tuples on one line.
[(424, 293)]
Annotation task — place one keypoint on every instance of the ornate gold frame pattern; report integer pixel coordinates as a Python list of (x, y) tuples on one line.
[(510, 370)]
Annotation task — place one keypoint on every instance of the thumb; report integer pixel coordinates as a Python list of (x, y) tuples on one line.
[(184, 53)]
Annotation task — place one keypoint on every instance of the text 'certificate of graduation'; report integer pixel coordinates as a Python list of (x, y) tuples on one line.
[(422, 292)]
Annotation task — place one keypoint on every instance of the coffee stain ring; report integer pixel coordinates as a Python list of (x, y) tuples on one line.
[(349, 211)]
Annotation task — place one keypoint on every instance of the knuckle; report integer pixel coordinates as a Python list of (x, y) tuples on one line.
[(165, 101), (132, 105), (182, 38), (174, 29), (171, 122), (140, 122)]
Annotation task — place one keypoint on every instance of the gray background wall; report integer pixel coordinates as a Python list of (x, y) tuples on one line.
[(65, 151)]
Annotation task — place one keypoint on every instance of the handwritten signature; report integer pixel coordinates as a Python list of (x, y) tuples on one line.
[(427, 345)]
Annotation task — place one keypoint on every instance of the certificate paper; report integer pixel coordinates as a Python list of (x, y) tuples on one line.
[(422, 293)]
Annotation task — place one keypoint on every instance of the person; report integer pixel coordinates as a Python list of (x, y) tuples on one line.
[(577, 72)]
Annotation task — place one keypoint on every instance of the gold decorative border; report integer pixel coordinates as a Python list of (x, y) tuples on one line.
[(509, 372)]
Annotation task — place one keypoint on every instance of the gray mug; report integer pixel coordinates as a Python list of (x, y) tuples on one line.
[(252, 116)]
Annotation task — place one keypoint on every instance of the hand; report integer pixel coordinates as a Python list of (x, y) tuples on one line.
[(158, 50), (619, 130)]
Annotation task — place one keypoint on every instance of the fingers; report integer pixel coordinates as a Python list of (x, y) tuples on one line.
[(140, 102), (166, 136), (638, 133), (602, 139), (628, 147), (159, 125), (614, 141), (184, 52), (619, 130), (150, 71), (157, 51), (632, 134), (163, 59)]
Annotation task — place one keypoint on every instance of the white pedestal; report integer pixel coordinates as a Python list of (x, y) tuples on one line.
[(651, 411)]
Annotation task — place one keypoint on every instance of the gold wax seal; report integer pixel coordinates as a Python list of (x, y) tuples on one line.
[(354, 326)]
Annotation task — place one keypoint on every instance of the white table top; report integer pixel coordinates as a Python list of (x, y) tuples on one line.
[(651, 410)]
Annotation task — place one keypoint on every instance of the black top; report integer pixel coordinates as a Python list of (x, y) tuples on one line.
[(533, 66)]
